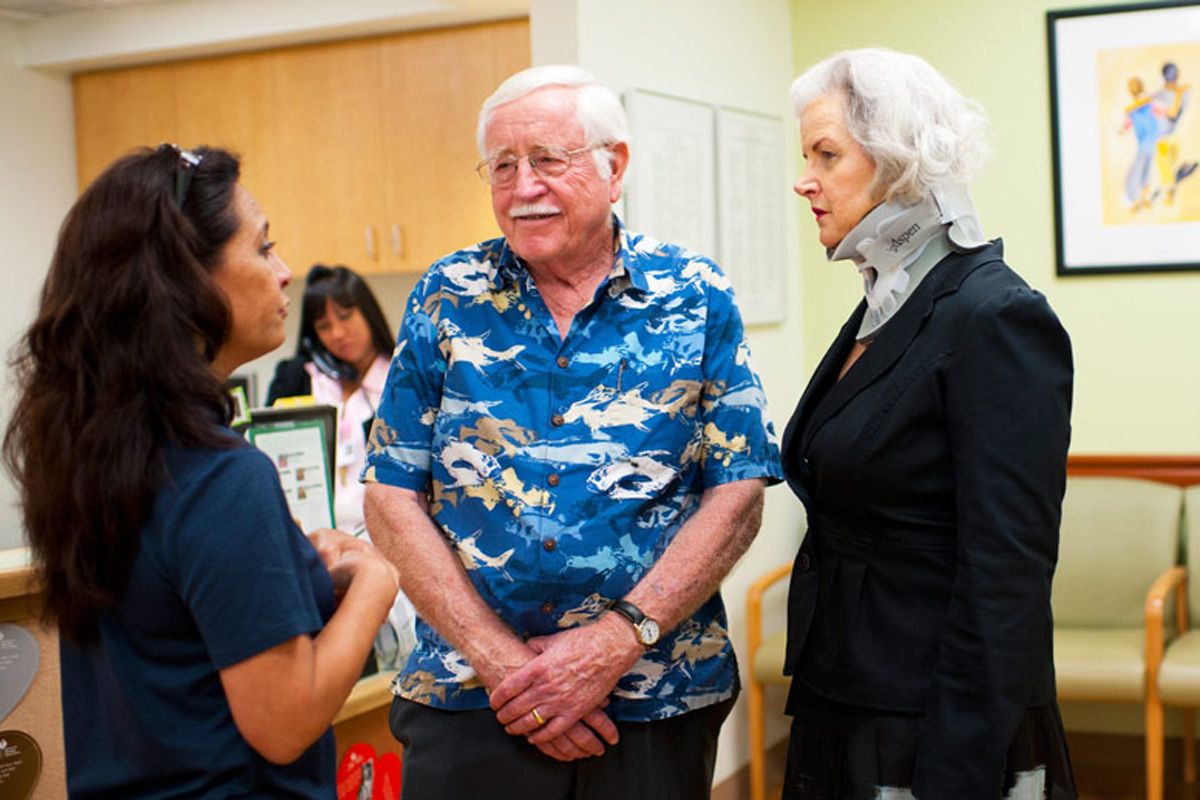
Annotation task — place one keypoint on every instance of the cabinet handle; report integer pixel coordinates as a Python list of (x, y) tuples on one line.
[(397, 243), (371, 242)]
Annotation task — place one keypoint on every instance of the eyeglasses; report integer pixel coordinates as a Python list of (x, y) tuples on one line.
[(188, 162), (547, 162)]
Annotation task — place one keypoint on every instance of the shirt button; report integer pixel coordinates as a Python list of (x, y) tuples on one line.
[(552, 479), (557, 420), (549, 545), (804, 562), (547, 608), (562, 361)]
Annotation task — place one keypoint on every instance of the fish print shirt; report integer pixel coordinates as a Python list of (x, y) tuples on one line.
[(560, 469)]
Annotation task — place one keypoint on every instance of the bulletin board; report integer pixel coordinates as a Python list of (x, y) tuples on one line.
[(752, 187), (714, 180), (670, 192)]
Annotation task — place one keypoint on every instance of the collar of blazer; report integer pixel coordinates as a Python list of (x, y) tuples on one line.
[(825, 394)]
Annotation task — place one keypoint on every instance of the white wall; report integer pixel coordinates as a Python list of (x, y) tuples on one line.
[(37, 162), (740, 55)]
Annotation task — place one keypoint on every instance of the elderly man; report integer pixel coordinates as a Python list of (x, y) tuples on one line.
[(569, 456)]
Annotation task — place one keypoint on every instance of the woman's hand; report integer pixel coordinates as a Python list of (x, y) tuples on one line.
[(347, 557)]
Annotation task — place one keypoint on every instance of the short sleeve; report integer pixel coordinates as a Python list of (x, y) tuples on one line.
[(738, 436), (400, 445)]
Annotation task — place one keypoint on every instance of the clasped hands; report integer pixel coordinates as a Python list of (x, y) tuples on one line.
[(556, 699)]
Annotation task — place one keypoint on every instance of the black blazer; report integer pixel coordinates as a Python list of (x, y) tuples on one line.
[(933, 476)]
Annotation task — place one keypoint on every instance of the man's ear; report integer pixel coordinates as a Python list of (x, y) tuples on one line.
[(618, 159)]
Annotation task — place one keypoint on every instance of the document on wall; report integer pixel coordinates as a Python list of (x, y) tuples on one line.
[(753, 192), (299, 452), (670, 189)]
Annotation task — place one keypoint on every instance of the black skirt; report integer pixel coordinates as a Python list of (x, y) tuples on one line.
[(841, 752)]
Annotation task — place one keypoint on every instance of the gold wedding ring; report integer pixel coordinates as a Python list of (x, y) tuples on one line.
[(537, 717)]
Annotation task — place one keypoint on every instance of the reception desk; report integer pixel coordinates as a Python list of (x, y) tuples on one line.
[(37, 713)]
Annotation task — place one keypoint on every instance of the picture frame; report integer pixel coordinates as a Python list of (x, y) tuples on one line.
[(1125, 137)]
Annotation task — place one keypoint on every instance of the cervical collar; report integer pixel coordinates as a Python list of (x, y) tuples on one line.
[(888, 241)]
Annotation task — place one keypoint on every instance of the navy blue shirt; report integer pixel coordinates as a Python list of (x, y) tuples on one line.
[(222, 575)]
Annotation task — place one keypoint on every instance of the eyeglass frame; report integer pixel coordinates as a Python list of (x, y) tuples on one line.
[(484, 168), (188, 163)]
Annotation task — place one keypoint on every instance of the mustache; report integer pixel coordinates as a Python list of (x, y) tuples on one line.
[(533, 209)]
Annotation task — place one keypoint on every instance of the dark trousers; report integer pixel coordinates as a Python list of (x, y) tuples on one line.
[(460, 755)]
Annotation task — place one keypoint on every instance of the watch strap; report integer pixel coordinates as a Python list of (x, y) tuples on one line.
[(628, 610)]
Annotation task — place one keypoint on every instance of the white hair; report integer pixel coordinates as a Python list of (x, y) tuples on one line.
[(917, 129), (597, 107)]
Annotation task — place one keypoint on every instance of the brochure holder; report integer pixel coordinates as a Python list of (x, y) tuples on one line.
[(301, 442)]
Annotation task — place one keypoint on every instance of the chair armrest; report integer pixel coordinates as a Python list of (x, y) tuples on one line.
[(1156, 599), (754, 596)]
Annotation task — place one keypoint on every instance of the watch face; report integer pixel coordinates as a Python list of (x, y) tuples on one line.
[(648, 632)]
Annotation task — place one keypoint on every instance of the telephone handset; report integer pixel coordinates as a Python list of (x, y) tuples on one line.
[(328, 363)]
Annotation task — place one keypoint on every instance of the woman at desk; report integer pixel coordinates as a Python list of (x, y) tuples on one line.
[(206, 644), (341, 360)]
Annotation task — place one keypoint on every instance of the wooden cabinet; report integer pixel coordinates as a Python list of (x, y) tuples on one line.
[(361, 152)]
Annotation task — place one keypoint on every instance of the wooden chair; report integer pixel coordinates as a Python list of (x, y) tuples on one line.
[(765, 657), (1118, 537), (1173, 654)]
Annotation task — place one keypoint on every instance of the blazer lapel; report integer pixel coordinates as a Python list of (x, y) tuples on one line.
[(824, 376), (893, 340)]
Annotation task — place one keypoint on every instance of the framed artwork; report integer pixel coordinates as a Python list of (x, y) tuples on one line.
[(1125, 137)]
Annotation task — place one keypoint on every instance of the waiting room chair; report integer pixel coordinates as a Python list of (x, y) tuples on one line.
[(1174, 656), (1118, 536), (765, 656)]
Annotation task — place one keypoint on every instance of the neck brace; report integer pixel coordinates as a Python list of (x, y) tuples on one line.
[(887, 243)]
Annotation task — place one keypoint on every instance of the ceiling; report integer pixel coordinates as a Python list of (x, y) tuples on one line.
[(40, 9)]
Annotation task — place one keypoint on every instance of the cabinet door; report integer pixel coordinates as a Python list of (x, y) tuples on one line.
[(118, 110), (361, 152), (226, 102), (326, 195), (433, 85)]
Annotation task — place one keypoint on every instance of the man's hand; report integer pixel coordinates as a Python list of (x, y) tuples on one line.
[(568, 683), (579, 740)]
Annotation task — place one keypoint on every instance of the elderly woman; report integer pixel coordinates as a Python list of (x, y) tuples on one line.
[(929, 450), (206, 644)]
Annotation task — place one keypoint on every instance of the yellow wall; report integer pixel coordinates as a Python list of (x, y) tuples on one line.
[(1135, 337)]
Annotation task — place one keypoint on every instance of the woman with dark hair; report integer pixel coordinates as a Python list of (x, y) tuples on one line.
[(342, 360), (204, 650)]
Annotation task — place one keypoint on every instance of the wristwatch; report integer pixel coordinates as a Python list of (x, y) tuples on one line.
[(645, 627)]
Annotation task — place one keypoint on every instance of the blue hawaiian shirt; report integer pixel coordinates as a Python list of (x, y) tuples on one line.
[(560, 469)]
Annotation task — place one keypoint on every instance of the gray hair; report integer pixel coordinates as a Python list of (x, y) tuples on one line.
[(597, 107), (917, 129)]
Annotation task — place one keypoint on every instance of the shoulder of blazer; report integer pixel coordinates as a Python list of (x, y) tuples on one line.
[(952, 274)]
